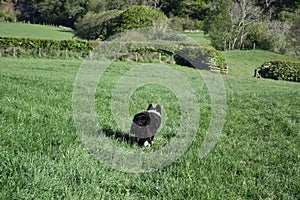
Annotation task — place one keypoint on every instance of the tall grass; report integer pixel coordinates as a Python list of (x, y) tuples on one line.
[(42, 157)]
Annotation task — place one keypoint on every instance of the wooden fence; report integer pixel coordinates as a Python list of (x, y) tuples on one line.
[(220, 70)]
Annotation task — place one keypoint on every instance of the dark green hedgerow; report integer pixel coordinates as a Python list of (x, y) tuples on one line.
[(183, 54), (164, 51), (33, 43), (280, 70)]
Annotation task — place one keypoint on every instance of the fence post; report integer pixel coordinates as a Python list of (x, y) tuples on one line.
[(173, 60), (14, 51), (159, 57), (90, 55)]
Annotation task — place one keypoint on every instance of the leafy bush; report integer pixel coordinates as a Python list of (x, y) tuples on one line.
[(11, 17), (280, 70), (183, 54), (27, 47), (257, 37), (96, 25), (30, 43), (103, 25), (138, 17), (180, 24)]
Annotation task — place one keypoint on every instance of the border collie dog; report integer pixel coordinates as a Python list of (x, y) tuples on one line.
[(145, 125)]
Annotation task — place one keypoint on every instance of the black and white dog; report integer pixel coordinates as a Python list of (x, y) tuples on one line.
[(145, 125)]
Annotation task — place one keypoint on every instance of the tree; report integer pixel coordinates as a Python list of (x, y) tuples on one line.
[(138, 17), (96, 25), (242, 13), (228, 23), (64, 12), (97, 6), (28, 10), (217, 24), (258, 36), (295, 36), (58, 12)]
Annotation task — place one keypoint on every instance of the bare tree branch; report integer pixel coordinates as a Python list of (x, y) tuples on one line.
[(242, 13)]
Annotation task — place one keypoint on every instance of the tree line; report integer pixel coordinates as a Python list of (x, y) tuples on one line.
[(231, 24)]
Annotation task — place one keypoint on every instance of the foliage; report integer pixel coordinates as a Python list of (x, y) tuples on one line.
[(194, 9), (104, 24), (245, 25), (7, 12), (180, 24), (280, 70), (10, 17), (187, 55), (52, 11), (257, 37), (96, 25), (228, 23), (138, 17), (295, 36), (217, 25), (29, 43), (218, 29), (69, 11)]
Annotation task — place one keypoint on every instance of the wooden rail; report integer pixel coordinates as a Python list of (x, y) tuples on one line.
[(220, 70)]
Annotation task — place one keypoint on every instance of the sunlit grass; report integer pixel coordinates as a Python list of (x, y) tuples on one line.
[(9, 29), (42, 157)]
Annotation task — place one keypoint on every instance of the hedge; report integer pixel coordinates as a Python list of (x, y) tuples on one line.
[(167, 51), (183, 54), (32, 43), (280, 70)]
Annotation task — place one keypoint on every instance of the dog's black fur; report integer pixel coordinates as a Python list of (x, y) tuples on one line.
[(146, 124)]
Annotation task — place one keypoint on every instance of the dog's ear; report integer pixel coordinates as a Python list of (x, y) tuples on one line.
[(150, 107), (158, 108)]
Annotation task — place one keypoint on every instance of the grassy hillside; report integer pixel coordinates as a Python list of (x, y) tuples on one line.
[(199, 37), (243, 63), (42, 157), (33, 31)]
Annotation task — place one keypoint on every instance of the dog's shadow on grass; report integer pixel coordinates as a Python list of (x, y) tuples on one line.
[(120, 136)]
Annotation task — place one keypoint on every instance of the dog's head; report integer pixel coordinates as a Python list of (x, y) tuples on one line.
[(144, 118)]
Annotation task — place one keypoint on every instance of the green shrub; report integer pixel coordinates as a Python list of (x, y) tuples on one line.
[(139, 17), (180, 24), (28, 47), (31, 43), (105, 24), (257, 37), (280, 70), (183, 54), (9, 16), (96, 25)]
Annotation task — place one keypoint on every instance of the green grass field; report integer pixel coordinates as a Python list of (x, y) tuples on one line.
[(33, 31), (200, 38), (42, 157)]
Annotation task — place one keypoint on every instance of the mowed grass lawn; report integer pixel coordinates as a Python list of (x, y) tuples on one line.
[(8, 29), (42, 157)]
